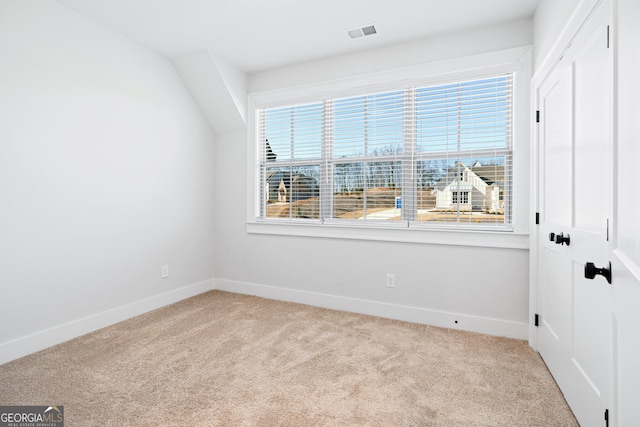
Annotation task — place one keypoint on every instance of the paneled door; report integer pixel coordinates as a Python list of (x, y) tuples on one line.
[(575, 151)]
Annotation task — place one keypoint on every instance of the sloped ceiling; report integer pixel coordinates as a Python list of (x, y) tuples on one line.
[(218, 88)]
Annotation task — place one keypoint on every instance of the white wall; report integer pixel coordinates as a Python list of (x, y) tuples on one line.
[(483, 289), (218, 88), (550, 19), (629, 130), (445, 47), (106, 173)]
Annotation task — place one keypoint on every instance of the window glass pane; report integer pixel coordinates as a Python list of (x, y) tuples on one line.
[(484, 114), (293, 133), (464, 116), (348, 190), (465, 190), (367, 191), (292, 192), (383, 192), (275, 188), (349, 127), (370, 125), (437, 118)]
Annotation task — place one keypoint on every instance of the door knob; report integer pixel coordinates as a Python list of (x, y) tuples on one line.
[(591, 271), (552, 237), (561, 239)]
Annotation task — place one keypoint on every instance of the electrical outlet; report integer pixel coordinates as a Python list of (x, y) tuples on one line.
[(391, 280), (164, 271)]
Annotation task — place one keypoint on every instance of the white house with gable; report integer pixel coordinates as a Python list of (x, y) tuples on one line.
[(477, 188)]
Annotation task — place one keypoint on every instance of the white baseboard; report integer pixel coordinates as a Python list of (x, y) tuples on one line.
[(485, 325), (23, 346)]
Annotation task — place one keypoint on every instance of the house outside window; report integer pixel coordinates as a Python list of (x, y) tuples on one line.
[(418, 156)]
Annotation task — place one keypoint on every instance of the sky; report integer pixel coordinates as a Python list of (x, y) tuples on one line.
[(465, 121)]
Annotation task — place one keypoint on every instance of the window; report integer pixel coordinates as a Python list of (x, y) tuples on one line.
[(437, 155), (461, 197)]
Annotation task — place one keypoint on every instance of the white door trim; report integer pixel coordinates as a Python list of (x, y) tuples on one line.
[(584, 10)]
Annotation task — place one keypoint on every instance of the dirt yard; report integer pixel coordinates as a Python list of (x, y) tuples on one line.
[(350, 206)]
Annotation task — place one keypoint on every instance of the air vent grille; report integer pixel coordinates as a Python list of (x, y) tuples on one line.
[(367, 30)]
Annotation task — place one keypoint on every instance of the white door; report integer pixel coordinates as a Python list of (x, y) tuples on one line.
[(554, 293), (574, 335)]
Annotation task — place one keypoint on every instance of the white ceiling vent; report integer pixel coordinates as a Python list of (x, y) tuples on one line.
[(368, 30)]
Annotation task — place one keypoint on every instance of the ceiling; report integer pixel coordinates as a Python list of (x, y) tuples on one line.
[(256, 35)]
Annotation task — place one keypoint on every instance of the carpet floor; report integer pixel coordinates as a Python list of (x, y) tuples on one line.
[(223, 359)]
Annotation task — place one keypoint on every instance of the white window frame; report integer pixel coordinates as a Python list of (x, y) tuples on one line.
[(516, 60)]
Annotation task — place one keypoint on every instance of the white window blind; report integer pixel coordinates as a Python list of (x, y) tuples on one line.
[(463, 158), (365, 156), (419, 156), (290, 156)]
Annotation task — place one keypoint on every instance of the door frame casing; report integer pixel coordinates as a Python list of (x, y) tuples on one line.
[(582, 15), (562, 44)]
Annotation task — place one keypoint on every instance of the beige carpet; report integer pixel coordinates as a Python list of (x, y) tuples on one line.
[(222, 359)]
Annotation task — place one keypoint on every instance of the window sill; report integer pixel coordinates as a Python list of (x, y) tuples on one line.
[(490, 239)]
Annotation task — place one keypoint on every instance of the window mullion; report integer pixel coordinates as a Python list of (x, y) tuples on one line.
[(366, 164), (261, 154), (409, 185), (459, 147), (326, 166), (292, 134)]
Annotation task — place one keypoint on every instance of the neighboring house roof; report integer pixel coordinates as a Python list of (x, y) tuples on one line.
[(492, 175), (304, 186), (489, 174), (276, 176), (271, 156)]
